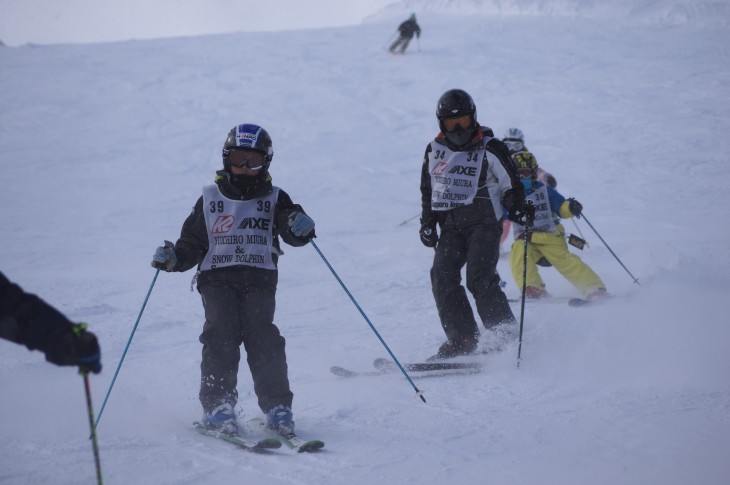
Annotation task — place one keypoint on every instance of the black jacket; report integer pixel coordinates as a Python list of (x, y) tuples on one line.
[(192, 246), (408, 28), (481, 210), (26, 319)]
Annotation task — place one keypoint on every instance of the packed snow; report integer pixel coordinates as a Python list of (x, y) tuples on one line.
[(104, 148)]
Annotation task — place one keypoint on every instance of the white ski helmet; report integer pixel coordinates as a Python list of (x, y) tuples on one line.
[(514, 139)]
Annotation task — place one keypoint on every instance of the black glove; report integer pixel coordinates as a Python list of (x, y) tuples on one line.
[(523, 214), (575, 207), (429, 236), (550, 180), (518, 210), (77, 347)]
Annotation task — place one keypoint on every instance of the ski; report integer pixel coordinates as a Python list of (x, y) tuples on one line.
[(592, 301), (291, 440), (342, 372), (386, 366), (545, 299), (578, 302), (562, 299), (295, 442), (246, 444)]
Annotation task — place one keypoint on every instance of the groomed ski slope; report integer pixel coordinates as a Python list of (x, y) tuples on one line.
[(104, 149)]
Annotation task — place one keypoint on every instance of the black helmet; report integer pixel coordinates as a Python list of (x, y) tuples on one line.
[(248, 137), (453, 104)]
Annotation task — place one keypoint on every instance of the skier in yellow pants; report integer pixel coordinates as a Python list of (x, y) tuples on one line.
[(547, 239)]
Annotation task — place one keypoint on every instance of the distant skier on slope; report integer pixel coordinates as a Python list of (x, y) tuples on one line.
[(406, 31), (546, 239), (26, 319), (233, 237), (515, 141), (466, 178)]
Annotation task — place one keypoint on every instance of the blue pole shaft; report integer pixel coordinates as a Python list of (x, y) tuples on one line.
[(419, 393), (124, 354)]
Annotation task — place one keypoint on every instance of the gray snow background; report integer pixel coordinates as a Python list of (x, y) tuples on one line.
[(106, 141)]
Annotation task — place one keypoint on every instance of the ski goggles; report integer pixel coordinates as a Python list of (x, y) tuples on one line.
[(247, 158), (526, 173), (514, 145), (451, 123)]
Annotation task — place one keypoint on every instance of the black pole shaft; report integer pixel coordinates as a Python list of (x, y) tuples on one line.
[(409, 220), (94, 443), (522, 305), (609, 248)]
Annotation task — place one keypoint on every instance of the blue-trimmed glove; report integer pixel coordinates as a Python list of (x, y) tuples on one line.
[(164, 257), (301, 224)]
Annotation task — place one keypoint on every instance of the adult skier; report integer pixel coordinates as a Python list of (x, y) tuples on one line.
[(546, 239), (232, 236), (466, 178), (26, 319), (406, 30)]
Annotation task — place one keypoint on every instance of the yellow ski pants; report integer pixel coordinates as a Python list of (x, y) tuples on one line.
[(553, 248)]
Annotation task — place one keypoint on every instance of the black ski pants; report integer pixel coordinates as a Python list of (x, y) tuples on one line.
[(477, 248), (401, 41), (241, 311)]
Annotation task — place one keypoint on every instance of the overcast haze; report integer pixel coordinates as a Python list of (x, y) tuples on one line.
[(104, 148)]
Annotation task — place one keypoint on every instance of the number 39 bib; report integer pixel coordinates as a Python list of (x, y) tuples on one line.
[(240, 232)]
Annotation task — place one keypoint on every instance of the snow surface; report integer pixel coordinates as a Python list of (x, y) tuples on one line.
[(104, 149)]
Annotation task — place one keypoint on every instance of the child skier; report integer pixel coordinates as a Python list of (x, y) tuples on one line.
[(515, 141), (232, 236), (546, 239)]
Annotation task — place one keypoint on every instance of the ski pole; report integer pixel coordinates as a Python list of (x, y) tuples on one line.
[(94, 443), (522, 305), (419, 393), (609, 248), (129, 341), (409, 220)]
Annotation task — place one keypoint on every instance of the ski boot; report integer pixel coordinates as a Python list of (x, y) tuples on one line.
[(281, 420), (221, 419)]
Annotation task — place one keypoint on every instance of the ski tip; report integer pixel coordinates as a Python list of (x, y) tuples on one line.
[(311, 446), (576, 302)]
